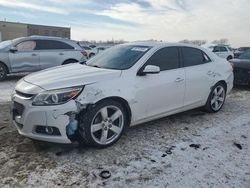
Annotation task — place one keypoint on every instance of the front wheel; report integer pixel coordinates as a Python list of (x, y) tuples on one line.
[(103, 124), (216, 98)]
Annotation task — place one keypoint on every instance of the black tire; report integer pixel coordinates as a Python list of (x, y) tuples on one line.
[(3, 72), (209, 107), (229, 57), (91, 55), (69, 61), (86, 119)]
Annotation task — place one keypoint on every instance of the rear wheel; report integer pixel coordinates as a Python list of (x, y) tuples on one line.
[(91, 55), (216, 98), (103, 124), (3, 72), (229, 57)]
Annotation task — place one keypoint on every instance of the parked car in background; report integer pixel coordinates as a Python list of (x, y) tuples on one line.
[(240, 51), (35, 53), (89, 51), (222, 51), (125, 85), (242, 69)]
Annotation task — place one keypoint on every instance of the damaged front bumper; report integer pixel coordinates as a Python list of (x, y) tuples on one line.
[(45, 123)]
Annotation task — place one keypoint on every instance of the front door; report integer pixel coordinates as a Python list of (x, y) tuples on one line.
[(161, 93)]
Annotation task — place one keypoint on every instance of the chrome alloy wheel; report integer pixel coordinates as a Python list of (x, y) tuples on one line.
[(218, 98), (107, 125)]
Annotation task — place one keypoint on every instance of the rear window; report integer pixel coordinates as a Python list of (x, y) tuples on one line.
[(52, 45), (193, 56)]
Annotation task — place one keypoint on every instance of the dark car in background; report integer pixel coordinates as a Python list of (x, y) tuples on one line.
[(242, 69), (240, 51)]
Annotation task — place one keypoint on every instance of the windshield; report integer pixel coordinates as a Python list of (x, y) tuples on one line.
[(5, 44), (245, 55), (119, 57)]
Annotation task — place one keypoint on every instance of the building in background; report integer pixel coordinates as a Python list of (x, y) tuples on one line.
[(12, 30)]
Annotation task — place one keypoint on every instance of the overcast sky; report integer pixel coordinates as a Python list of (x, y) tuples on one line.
[(167, 20)]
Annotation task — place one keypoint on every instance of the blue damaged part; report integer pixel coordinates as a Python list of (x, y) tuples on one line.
[(72, 126)]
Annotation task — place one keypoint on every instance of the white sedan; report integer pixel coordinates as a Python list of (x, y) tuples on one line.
[(126, 85)]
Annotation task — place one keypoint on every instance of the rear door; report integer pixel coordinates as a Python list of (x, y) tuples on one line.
[(199, 70), (52, 52), (26, 58)]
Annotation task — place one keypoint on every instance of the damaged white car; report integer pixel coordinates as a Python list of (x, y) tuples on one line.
[(124, 86)]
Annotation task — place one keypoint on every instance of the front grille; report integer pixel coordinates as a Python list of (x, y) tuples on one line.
[(18, 109), (25, 95)]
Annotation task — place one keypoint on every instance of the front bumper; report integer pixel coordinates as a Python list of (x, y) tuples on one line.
[(32, 117)]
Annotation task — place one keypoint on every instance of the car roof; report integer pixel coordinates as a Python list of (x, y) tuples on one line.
[(161, 44)]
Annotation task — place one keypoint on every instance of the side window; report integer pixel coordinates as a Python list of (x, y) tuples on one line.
[(52, 45), (166, 58), (223, 49), (193, 56), (26, 46), (216, 49)]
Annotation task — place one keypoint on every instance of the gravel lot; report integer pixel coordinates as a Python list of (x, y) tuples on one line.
[(149, 155)]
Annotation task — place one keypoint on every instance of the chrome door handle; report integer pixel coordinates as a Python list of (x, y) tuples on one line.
[(179, 79)]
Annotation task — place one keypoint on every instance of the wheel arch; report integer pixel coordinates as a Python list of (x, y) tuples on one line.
[(223, 82), (70, 59)]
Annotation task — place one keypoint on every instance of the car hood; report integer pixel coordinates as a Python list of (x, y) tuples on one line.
[(70, 75)]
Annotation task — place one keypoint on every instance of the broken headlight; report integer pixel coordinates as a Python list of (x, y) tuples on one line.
[(56, 97)]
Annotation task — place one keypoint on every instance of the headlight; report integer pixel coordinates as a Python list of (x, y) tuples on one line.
[(56, 97)]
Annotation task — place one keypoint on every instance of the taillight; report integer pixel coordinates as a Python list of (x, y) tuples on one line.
[(84, 53)]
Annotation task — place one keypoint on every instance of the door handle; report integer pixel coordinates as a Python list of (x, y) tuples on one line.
[(179, 79), (210, 73), (34, 54), (61, 53)]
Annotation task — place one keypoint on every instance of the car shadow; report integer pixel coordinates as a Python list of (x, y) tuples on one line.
[(242, 87)]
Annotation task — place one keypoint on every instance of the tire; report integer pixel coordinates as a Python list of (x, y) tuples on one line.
[(96, 127), (229, 58), (3, 72), (69, 61), (216, 98), (91, 55)]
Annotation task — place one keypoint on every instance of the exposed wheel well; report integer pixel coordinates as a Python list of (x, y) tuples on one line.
[(5, 67), (124, 104), (68, 60)]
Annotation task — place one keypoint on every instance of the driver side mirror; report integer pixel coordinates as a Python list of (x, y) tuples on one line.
[(13, 49), (149, 69)]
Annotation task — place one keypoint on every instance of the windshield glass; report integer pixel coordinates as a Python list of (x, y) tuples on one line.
[(245, 55), (119, 57), (5, 44)]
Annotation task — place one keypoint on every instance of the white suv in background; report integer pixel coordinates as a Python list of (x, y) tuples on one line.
[(123, 86), (30, 54), (222, 51)]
